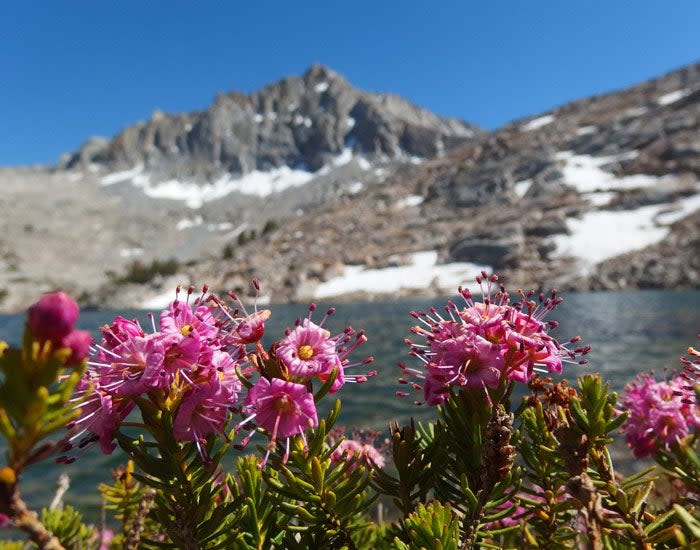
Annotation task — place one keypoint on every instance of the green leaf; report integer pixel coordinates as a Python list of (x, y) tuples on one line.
[(689, 521)]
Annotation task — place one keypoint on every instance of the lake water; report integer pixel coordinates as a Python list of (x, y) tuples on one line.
[(630, 332)]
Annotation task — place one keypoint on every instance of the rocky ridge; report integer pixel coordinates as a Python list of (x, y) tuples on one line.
[(362, 195), (299, 122)]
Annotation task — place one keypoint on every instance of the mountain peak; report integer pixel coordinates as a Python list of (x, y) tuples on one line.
[(318, 71), (297, 121)]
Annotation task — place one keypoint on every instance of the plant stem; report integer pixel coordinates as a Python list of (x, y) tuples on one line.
[(14, 507)]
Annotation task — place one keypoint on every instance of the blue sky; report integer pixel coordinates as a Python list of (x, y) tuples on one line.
[(73, 69)]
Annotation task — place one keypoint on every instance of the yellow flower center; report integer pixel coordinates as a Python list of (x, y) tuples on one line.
[(186, 330), (305, 352)]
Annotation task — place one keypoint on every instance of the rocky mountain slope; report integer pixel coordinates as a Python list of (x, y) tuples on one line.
[(299, 122), (321, 191)]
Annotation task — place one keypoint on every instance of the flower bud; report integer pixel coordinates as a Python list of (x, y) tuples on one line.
[(52, 317), (79, 341)]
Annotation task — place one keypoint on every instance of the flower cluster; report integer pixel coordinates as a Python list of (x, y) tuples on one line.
[(281, 401), (196, 364), (52, 320), (661, 413), (487, 342), (361, 447)]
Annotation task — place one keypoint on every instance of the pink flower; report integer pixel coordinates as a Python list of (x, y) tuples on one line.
[(79, 342), (183, 319), (485, 344), (201, 412), (283, 409), (351, 449), (224, 369), (5, 521), (691, 366), (104, 537), (134, 366), (661, 413), (100, 415), (359, 448), (53, 317), (467, 360), (250, 329), (308, 350), (238, 327)]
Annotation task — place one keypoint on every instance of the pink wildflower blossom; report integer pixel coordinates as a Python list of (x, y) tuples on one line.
[(250, 329), (360, 448), (238, 326), (308, 350), (133, 367), (79, 342), (486, 343), (100, 416), (661, 413), (350, 449), (183, 319), (282, 408), (200, 413)]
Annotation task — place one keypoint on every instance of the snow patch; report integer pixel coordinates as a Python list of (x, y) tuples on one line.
[(223, 226), (585, 173), (350, 122), (125, 175), (160, 301), (343, 158), (188, 223), (672, 97), (422, 273), (673, 213), (299, 120), (521, 187), (258, 118), (355, 187), (635, 112), (321, 87), (601, 198), (410, 200), (536, 123), (604, 234), (130, 252), (257, 183), (586, 130)]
